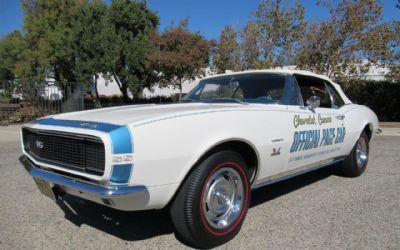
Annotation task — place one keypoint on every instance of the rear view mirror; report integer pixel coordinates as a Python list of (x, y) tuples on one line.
[(313, 102)]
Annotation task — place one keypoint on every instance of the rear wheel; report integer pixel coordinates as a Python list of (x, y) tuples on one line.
[(356, 162), (212, 203)]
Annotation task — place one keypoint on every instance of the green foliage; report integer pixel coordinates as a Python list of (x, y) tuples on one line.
[(126, 44), (11, 48), (343, 46), (349, 42), (88, 41), (281, 25), (49, 29), (227, 54), (5, 96), (182, 55), (75, 40), (271, 38)]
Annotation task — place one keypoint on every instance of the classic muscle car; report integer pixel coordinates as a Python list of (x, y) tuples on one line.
[(201, 157)]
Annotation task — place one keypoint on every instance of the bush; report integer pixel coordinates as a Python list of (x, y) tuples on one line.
[(383, 97)]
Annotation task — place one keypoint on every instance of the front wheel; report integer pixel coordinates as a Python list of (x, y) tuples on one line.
[(356, 162), (211, 205)]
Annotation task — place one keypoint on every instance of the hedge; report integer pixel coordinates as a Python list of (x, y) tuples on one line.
[(383, 97)]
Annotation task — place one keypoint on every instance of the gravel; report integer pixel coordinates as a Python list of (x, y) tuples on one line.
[(319, 210)]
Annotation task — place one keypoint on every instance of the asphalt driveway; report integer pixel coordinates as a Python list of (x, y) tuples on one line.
[(319, 210)]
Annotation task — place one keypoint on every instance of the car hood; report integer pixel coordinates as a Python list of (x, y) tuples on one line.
[(123, 115)]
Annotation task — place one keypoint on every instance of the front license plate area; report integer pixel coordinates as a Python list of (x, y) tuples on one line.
[(45, 188)]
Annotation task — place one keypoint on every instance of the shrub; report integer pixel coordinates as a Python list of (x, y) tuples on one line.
[(383, 97)]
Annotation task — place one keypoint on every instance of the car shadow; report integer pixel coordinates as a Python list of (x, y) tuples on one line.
[(129, 226), (273, 191), (140, 225)]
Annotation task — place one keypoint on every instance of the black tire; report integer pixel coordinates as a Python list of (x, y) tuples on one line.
[(350, 167), (187, 210)]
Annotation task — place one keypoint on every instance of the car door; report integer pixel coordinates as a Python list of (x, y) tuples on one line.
[(317, 132)]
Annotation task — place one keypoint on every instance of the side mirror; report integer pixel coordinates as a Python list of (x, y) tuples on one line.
[(313, 102)]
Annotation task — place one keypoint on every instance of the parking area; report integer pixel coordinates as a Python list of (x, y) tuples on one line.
[(319, 210)]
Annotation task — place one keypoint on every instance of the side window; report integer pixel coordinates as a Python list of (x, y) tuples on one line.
[(337, 100), (310, 86)]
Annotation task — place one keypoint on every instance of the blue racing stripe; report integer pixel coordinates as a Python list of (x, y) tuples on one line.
[(121, 141), (104, 127), (121, 173), (120, 135)]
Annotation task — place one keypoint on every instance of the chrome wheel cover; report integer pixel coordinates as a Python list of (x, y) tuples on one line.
[(361, 152), (223, 198)]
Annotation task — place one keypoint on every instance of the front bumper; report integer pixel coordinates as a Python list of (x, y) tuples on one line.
[(121, 197)]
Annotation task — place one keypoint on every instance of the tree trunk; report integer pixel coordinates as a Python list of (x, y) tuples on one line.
[(180, 89), (123, 88), (96, 98)]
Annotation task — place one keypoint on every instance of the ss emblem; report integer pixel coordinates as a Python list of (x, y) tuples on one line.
[(39, 144)]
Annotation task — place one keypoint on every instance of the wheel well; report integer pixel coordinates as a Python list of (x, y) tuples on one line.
[(368, 130), (244, 149)]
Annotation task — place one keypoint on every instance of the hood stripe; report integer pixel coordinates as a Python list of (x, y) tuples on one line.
[(120, 135), (99, 126)]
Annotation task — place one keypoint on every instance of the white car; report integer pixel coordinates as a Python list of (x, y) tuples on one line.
[(200, 158)]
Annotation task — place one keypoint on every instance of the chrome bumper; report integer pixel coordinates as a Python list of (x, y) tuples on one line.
[(120, 197)]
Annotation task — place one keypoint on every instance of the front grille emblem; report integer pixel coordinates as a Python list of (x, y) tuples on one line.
[(39, 144)]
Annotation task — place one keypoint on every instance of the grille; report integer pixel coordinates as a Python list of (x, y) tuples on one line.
[(82, 153)]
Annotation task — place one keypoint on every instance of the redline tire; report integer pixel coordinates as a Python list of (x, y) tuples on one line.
[(211, 206), (356, 162)]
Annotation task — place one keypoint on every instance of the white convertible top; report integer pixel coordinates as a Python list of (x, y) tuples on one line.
[(288, 72)]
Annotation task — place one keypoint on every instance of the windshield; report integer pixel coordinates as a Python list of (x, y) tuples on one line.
[(254, 88)]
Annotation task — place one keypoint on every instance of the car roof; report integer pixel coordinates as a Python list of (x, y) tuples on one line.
[(276, 71), (285, 72)]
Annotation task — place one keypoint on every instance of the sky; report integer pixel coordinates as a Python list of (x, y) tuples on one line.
[(205, 16)]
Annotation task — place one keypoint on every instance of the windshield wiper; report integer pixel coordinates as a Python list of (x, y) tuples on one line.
[(227, 99), (188, 100)]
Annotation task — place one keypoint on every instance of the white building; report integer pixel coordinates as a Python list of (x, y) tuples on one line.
[(110, 87)]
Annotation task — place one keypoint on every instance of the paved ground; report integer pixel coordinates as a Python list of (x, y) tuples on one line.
[(318, 211)]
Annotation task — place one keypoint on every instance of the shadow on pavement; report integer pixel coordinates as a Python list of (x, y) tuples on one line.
[(140, 225), (270, 192), (129, 226)]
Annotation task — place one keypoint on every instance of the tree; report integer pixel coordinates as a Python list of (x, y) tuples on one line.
[(76, 40), (227, 54), (348, 42), (89, 50), (182, 55), (394, 65), (249, 47), (271, 38), (48, 27), (126, 44), (11, 48), (280, 25)]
